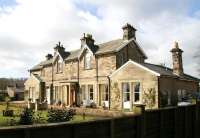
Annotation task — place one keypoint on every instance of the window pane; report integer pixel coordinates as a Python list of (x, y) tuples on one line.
[(103, 88), (125, 87), (83, 92), (91, 92), (137, 97), (126, 91), (137, 92), (126, 97), (137, 87)]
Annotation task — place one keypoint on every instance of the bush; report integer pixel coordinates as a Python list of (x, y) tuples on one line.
[(39, 118), (26, 117), (93, 105), (58, 115), (7, 112)]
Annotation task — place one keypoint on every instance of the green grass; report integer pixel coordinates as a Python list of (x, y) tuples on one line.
[(8, 121)]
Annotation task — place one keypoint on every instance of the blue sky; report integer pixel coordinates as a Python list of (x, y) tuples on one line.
[(6, 3), (29, 29)]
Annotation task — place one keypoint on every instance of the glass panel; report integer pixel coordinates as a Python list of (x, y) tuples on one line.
[(137, 92), (137, 87), (126, 91), (137, 97), (125, 87), (103, 88), (91, 91)]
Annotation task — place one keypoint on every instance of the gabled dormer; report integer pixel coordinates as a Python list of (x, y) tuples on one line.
[(59, 56)]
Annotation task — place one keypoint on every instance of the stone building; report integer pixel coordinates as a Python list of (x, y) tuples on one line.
[(113, 74)]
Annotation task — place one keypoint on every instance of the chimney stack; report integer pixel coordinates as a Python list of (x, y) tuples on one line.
[(59, 47), (128, 32), (177, 59), (87, 40), (49, 56)]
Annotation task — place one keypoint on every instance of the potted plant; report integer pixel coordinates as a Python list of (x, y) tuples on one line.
[(7, 111)]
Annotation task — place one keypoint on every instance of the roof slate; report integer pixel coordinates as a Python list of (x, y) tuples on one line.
[(111, 46), (168, 71)]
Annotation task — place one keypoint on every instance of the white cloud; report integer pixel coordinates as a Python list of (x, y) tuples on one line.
[(30, 30)]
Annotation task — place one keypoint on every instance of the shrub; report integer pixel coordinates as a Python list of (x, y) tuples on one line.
[(26, 117), (7, 111), (58, 115), (93, 105), (39, 118)]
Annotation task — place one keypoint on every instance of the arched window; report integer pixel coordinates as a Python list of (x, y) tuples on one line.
[(87, 60)]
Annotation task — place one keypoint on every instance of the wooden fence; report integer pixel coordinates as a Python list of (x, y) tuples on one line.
[(175, 122)]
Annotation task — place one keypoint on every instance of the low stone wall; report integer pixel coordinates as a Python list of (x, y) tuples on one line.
[(20, 104), (97, 112), (102, 112)]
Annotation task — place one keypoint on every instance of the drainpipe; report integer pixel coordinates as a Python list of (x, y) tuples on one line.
[(78, 98), (109, 84)]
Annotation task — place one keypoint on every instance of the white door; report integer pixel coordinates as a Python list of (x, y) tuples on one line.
[(48, 95)]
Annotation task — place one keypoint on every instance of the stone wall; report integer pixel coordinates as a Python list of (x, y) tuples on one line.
[(172, 85), (106, 64), (130, 52), (131, 73)]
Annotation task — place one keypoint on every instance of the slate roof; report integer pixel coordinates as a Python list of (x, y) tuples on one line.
[(41, 64), (166, 71), (103, 48)]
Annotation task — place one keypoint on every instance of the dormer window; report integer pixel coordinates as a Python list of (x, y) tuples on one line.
[(87, 60), (59, 65)]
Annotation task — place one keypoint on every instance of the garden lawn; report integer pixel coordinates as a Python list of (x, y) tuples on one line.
[(9, 121)]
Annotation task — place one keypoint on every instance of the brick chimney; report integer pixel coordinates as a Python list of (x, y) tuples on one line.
[(128, 32), (177, 59), (87, 40)]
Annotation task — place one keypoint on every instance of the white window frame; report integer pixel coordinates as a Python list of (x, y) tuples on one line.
[(136, 92), (91, 92), (126, 92), (104, 92)]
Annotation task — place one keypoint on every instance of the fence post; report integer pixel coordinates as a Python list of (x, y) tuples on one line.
[(161, 122), (26, 133), (112, 128), (197, 120), (141, 132), (186, 122), (175, 122)]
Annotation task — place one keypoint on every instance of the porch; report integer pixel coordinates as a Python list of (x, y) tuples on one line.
[(63, 93)]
